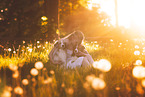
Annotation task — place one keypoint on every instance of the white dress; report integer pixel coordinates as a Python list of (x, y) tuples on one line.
[(73, 61)]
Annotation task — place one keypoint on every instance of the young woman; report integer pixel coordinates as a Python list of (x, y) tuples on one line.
[(75, 52)]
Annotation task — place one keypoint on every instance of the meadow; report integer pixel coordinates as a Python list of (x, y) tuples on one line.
[(118, 71)]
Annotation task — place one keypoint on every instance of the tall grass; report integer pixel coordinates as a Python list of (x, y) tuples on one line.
[(18, 78)]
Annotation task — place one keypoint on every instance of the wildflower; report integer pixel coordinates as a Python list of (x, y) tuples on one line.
[(136, 52), (98, 84), (25, 82), (136, 47), (15, 74), (103, 65), (70, 91), (143, 83), (117, 88), (46, 42), (38, 65), (139, 72), (86, 85), (33, 80), (9, 49), (34, 72), (9, 88), (48, 80), (38, 41), (13, 67), (30, 50), (62, 85), (6, 94), (18, 90), (90, 78), (138, 62), (51, 72)]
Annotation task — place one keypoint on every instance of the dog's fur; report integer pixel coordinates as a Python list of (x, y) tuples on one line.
[(60, 53)]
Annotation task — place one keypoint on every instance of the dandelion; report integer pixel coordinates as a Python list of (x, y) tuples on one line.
[(25, 82), (14, 52), (33, 80), (13, 67), (86, 85), (98, 84), (70, 91), (30, 50), (9, 88), (38, 46), (139, 72), (15, 74), (117, 88), (90, 78), (6, 94), (23, 42), (111, 40), (103, 65), (38, 65), (51, 72), (44, 18), (38, 41), (9, 49), (34, 72), (138, 62), (18, 90), (48, 80), (101, 76), (143, 83), (136, 47), (46, 42), (62, 85), (136, 52)]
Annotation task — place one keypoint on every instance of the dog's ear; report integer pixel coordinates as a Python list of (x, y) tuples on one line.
[(56, 43)]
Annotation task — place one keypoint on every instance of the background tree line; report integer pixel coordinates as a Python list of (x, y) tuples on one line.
[(22, 19)]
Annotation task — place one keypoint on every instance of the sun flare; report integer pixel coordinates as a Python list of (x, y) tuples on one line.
[(130, 12)]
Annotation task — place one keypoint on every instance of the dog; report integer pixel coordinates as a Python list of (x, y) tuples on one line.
[(60, 54)]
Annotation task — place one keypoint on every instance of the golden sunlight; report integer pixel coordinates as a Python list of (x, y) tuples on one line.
[(130, 12)]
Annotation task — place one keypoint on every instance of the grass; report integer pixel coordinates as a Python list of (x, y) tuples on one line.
[(53, 81)]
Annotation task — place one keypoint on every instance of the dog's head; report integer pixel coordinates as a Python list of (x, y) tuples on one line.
[(62, 43)]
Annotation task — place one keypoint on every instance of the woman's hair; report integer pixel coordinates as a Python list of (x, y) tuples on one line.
[(79, 35), (76, 35), (74, 39)]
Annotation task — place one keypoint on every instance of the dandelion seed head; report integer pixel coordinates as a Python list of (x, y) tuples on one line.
[(15, 74), (138, 62), (38, 65), (70, 91), (6, 94), (98, 84), (18, 90), (143, 83), (13, 67), (139, 72), (136, 47), (51, 72), (103, 65), (34, 72), (136, 52), (25, 82)]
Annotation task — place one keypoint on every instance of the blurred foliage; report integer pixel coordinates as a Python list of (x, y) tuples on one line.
[(23, 19)]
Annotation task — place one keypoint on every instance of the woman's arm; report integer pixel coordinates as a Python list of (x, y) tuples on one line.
[(51, 55)]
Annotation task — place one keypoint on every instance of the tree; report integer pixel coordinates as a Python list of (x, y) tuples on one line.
[(21, 18), (91, 22)]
